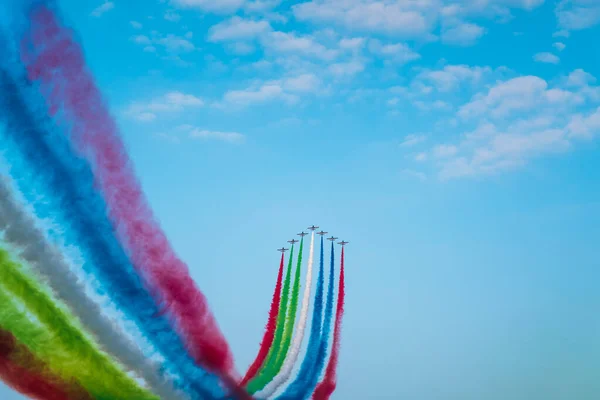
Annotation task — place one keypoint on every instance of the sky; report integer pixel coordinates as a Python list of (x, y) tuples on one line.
[(453, 143)]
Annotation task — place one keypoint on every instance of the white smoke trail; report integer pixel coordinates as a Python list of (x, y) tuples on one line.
[(48, 263), (292, 356)]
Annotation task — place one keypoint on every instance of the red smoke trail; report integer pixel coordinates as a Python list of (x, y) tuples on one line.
[(13, 359), (327, 386), (58, 61), (267, 340)]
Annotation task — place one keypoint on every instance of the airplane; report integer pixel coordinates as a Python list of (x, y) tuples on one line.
[(302, 234), (293, 241), (321, 233), (332, 239), (283, 249), (313, 228), (343, 243)]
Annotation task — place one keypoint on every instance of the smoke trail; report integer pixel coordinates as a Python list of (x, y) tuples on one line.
[(290, 360), (29, 376), (48, 263), (267, 340), (57, 62), (97, 373), (313, 377), (266, 373), (327, 386), (298, 388), (73, 202), (291, 316)]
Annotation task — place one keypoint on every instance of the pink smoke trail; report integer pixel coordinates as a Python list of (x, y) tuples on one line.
[(265, 345), (56, 60), (327, 386)]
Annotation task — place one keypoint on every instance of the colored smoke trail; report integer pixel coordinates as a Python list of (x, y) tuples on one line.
[(299, 388), (59, 65), (327, 386), (291, 316), (267, 340), (78, 358), (290, 360), (27, 375), (48, 263), (71, 200), (267, 372), (321, 356)]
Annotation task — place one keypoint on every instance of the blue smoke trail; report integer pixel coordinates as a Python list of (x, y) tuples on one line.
[(325, 334), (45, 164), (298, 387)]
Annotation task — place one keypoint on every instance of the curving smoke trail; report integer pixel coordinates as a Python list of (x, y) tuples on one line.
[(69, 198), (73, 352), (291, 358), (300, 387), (267, 371), (267, 340), (56, 61), (48, 263), (327, 386), (29, 376)]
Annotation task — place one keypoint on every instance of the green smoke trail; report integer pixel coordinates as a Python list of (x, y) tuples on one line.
[(291, 317), (266, 373), (66, 350)]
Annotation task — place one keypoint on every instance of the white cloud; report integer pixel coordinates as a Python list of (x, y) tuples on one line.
[(230, 137), (465, 34), (302, 83), (518, 120), (444, 150), (261, 6), (176, 43), (170, 102), (412, 140), (172, 16), (237, 28), (257, 95), (284, 42), (398, 52), (519, 95), (352, 43), (347, 69), (215, 6), (414, 174), (405, 18), (410, 18), (577, 14), (136, 25), (559, 46), (420, 157), (547, 58), (103, 8), (450, 77)]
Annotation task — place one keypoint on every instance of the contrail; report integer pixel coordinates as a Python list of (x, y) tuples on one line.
[(291, 358), (70, 199), (266, 373), (49, 264), (26, 374), (327, 386), (70, 349), (267, 340), (56, 61), (299, 387)]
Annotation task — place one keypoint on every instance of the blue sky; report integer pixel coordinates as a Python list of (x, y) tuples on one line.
[(454, 143)]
